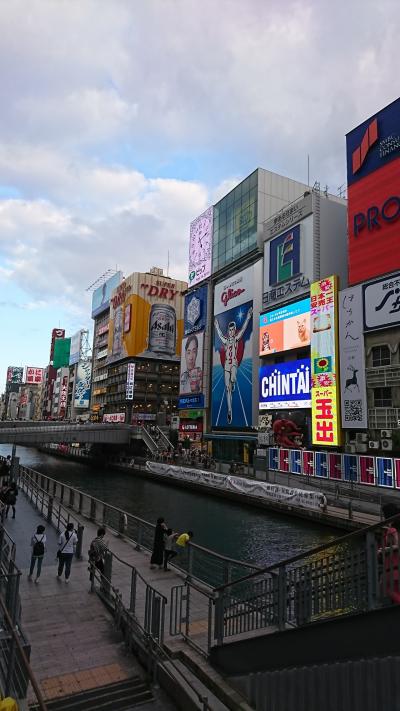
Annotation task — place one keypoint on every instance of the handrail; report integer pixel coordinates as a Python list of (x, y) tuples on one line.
[(311, 551), (132, 567)]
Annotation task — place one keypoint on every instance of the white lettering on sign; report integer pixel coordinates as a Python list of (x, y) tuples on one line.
[(279, 384)]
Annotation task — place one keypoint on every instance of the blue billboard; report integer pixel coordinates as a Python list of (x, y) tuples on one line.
[(195, 310), (285, 385), (101, 296), (189, 402)]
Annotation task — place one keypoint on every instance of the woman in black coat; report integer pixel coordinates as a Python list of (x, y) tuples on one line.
[(157, 557)]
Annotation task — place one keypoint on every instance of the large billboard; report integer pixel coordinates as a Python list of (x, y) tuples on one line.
[(373, 164), (61, 353), (76, 345), (285, 385), (200, 247), (33, 375), (146, 318), (56, 333), (101, 296), (324, 363), (15, 374), (352, 368), (191, 375), (82, 384), (232, 363), (285, 328), (382, 303), (195, 310)]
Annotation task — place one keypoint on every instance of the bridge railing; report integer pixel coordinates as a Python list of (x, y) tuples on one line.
[(196, 561), (355, 573)]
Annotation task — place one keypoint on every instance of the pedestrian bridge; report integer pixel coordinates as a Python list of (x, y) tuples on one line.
[(32, 433)]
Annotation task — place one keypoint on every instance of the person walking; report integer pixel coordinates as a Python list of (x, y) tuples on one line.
[(97, 551), (66, 549), (169, 547), (38, 544), (157, 556), (11, 498)]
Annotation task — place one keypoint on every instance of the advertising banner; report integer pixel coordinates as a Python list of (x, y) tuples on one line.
[(63, 395), (56, 333), (232, 363), (324, 363), (130, 381), (200, 247), (114, 417), (195, 310), (82, 384), (62, 348), (373, 160), (352, 369), (189, 402), (286, 328), (101, 296), (15, 374), (288, 261), (382, 303), (285, 385), (191, 375), (75, 349), (146, 318), (34, 375)]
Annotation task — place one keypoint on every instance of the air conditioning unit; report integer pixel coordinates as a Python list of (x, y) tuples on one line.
[(387, 444), (362, 447), (373, 444), (350, 448), (386, 434), (361, 437)]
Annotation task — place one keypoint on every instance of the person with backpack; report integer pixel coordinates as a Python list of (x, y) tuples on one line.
[(38, 544), (97, 552), (66, 549)]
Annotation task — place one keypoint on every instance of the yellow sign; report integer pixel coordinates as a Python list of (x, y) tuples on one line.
[(325, 391)]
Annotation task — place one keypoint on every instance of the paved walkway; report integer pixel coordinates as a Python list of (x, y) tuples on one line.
[(74, 643)]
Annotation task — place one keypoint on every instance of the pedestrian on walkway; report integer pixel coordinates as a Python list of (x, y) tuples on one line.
[(38, 544), (97, 551), (66, 549), (169, 546), (11, 498), (157, 556)]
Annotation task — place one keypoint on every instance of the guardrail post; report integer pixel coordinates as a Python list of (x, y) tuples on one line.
[(106, 578), (350, 509), (92, 515), (42, 481), (190, 561), (132, 602), (50, 509), (80, 504), (122, 523), (372, 570), (219, 619), (78, 550), (282, 602), (14, 468), (104, 513), (71, 498), (10, 667)]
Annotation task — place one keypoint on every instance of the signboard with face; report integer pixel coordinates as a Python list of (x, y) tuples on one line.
[(232, 351), (286, 328), (382, 303), (324, 363), (352, 369), (191, 376), (285, 385), (200, 247)]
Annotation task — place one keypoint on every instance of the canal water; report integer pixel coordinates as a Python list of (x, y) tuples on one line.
[(239, 531)]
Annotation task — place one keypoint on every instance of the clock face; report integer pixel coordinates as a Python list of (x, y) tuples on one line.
[(200, 247), (200, 243)]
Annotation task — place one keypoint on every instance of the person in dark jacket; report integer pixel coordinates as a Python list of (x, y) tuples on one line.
[(11, 498), (157, 556)]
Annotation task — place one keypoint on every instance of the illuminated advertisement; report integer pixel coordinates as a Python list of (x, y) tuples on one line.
[(130, 381), (82, 384), (101, 296), (373, 160), (114, 417), (200, 247), (15, 374), (75, 349), (352, 368), (191, 375), (285, 328), (232, 363), (146, 318), (285, 385), (324, 363), (33, 375), (195, 310)]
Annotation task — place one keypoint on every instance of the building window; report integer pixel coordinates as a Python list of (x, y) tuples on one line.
[(383, 397), (380, 356)]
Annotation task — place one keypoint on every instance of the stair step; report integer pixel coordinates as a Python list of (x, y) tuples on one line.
[(122, 695)]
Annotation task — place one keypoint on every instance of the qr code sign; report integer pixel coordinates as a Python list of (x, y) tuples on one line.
[(353, 411)]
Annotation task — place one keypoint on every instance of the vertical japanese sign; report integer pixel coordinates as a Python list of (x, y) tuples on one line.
[(324, 363), (352, 370), (130, 381)]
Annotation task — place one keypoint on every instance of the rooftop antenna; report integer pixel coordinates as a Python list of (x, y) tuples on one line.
[(168, 265), (100, 281), (308, 169)]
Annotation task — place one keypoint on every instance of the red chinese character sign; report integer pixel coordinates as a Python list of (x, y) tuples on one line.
[(324, 363), (33, 375)]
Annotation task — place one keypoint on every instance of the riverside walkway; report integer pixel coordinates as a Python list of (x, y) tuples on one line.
[(75, 643)]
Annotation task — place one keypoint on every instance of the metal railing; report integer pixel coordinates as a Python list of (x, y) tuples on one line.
[(355, 573), (195, 561)]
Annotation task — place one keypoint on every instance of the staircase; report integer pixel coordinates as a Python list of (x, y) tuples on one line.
[(157, 441), (122, 695)]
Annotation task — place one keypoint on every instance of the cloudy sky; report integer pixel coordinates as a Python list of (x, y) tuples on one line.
[(121, 120)]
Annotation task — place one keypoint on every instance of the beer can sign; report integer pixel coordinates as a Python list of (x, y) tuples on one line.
[(162, 329)]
